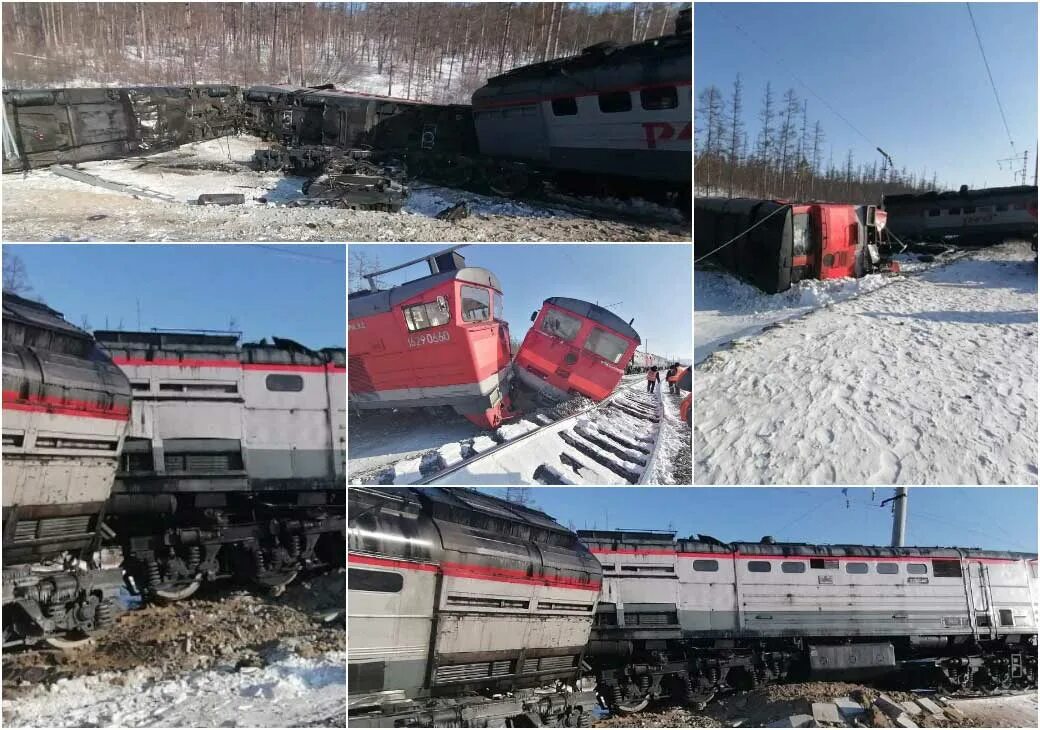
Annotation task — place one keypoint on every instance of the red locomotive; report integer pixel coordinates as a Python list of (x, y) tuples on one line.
[(783, 243), (575, 347), (438, 340)]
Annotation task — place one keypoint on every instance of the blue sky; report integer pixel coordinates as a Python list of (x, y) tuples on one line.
[(997, 518), (289, 291), (909, 76), (649, 282)]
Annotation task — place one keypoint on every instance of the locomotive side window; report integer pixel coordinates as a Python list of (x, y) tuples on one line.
[(284, 383), (608, 346), (821, 564), (917, 569), (934, 212), (499, 313), (706, 566), (359, 579), (424, 316), (792, 567), (1007, 618), (946, 568), (887, 568), (759, 566), (561, 325), (856, 568), (566, 106), (476, 304), (1002, 208), (615, 101), (955, 211), (802, 234), (662, 97)]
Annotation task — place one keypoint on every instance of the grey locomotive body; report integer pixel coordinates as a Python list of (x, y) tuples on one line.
[(465, 610), (235, 460), (984, 216), (66, 408), (685, 618)]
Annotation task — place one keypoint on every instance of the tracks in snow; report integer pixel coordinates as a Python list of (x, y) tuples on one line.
[(613, 442)]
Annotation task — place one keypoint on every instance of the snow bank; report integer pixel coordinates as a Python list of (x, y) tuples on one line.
[(512, 430), (290, 692), (930, 380)]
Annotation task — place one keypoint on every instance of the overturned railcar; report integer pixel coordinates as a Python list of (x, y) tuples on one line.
[(774, 244), (66, 126), (988, 215)]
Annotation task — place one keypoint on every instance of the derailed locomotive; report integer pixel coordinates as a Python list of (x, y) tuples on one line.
[(66, 407), (234, 465), (774, 244), (686, 618), (965, 216), (465, 611), (441, 340)]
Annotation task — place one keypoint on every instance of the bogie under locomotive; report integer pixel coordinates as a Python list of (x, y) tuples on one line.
[(684, 619), (66, 407), (465, 611)]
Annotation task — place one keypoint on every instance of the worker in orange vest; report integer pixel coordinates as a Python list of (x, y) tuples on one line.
[(652, 379)]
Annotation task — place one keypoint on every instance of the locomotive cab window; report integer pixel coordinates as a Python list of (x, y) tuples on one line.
[(566, 106), (615, 101), (359, 579), (426, 315), (946, 568), (802, 235), (759, 566), (609, 347), (561, 325), (917, 569), (476, 304), (887, 568), (499, 311), (284, 383), (662, 97)]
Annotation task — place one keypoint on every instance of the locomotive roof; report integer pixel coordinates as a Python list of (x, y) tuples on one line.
[(596, 313), (195, 342), (37, 314), (707, 544), (965, 193), (366, 304)]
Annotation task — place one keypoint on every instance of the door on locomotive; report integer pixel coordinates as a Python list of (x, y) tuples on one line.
[(575, 347)]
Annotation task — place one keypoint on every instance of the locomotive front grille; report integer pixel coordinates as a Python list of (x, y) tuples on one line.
[(200, 462)]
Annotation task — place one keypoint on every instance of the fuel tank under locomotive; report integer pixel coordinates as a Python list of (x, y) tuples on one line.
[(65, 413), (465, 611), (235, 461)]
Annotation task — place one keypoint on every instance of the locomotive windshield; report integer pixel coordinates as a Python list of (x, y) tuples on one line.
[(426, 315), (803, 238), (561, 325), (476, 304), (609, 347), (499, 305)]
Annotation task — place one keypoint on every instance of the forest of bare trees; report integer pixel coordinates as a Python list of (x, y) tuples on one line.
[(429, 51), (788, 158)]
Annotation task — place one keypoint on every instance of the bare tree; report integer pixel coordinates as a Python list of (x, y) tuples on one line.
[(359, 264), (16, 278)]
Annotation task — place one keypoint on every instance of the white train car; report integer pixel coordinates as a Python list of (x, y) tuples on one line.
[(970, 615), (247, 441)]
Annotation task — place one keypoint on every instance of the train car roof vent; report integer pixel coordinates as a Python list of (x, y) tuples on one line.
[(447, 261), (964, 189), (767, 540)]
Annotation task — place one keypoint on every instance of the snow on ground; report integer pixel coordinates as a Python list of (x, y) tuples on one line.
[(728, 309), (930, 380), (380, 438), (291, 692), (42, 206), (673, 457)]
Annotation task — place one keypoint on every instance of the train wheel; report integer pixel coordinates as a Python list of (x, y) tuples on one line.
[(70, 641), (178, 594), (275, 583), (630, 708)]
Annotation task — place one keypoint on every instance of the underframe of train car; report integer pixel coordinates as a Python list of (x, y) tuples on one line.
[(177, 534), (631, 674)]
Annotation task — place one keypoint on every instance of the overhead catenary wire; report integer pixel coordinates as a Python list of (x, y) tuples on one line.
[(989, 73), (741, 234)]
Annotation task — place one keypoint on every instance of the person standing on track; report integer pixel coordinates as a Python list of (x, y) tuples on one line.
[(670, 376), (652, 379)]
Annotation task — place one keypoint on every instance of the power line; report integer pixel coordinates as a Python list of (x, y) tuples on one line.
[(797, 78), (989, 73), (293, 252)]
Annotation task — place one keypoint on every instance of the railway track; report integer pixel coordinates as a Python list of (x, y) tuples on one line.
[(614, 442)]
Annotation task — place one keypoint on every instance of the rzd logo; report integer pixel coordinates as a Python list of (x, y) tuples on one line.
[(430, 338), (663, 131)]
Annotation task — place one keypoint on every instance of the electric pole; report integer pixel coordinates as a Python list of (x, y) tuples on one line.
[(899, 517)]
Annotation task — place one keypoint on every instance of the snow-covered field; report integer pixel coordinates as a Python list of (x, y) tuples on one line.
[(290, 692), (42, 206), (929, 380)]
